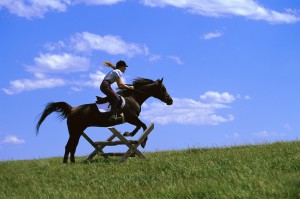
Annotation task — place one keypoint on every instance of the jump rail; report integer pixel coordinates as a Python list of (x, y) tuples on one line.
[(131, 144)]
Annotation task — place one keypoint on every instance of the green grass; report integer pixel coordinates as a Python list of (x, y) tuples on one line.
[(261, 171)]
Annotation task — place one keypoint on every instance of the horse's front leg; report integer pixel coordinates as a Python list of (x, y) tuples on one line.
[(139, 124), (134, 120), (127, 134)]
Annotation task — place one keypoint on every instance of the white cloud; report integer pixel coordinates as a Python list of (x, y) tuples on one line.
[(154, 58), (85, 41), (216, 97), (65, 62), (55, 46), (33, 8), (38, 8), (262, 134), (93, 80), (187, 111), (212, 35), (18, 86), (288, 127), (176, 59), (45, 64), (232, 136), (247, 97), (249, 9), (22, 85), (268, 135), (43, 82), (48, 63), (11, 139), (97, 2)]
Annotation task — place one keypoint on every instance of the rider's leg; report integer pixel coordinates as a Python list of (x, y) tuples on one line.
[(113, 98), (114, 107)]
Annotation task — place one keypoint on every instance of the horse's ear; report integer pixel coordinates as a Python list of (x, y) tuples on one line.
[(159, 81)]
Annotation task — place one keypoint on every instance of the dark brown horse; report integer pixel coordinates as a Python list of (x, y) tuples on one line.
[(87, 115)]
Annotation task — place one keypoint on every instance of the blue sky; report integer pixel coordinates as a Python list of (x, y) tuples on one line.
[(232, 68)]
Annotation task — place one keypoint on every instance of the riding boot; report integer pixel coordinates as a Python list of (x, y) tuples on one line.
[(113, 117)]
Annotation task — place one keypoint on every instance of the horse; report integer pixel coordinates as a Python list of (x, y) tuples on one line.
[(87, 115)]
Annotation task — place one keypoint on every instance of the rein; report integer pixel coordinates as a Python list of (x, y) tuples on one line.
[(140, 91)]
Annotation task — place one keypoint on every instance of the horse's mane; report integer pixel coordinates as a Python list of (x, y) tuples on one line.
[(137, 83)]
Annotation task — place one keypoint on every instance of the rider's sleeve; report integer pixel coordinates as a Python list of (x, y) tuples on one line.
[(118, 74)]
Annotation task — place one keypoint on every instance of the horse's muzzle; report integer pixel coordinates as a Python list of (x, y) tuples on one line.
[(169, 100)]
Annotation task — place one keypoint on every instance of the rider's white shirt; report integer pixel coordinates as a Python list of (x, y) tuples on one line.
[(113, 75)]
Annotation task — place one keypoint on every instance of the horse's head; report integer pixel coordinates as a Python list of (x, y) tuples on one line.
[(149, 88), (161, 93)]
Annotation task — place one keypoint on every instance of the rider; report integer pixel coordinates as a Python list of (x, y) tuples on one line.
[(112, 77)]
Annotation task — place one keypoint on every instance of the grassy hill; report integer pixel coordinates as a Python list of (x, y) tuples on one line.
[(261, 171)]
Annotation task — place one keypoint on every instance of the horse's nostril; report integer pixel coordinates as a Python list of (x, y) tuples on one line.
[(169, 101)]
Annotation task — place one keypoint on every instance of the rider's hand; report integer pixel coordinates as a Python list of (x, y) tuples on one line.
[(131, 87)]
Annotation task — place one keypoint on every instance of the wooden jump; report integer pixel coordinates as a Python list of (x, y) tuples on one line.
[(131, 144)]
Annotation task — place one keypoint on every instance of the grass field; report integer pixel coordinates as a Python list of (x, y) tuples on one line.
[(260, 171)]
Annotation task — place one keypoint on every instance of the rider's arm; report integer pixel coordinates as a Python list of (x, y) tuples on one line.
[(122, 85), (106, 63)]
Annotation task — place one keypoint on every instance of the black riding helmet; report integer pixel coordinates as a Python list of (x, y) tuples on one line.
[(120, 64)]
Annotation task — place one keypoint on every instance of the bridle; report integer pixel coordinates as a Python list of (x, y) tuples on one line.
[(140, 91)]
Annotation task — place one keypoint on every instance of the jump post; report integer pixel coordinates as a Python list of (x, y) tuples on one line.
[(131, 144)]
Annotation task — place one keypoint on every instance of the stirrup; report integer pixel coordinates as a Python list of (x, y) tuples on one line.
[(120, 119), (113, 117)]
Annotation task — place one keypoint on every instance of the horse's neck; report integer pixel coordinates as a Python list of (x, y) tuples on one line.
[(141, 98), (143, 93)]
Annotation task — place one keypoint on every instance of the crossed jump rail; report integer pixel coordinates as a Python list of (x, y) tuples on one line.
[(131, 144)]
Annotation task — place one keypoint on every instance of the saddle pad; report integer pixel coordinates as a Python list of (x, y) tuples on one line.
[(106, 107)]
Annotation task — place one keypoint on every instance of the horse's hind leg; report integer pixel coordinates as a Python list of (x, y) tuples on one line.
[(66, 156), (75, 141), (67, 150), (71, 148), (71, 145)]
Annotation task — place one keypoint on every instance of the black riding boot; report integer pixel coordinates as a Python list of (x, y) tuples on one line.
[(113, 117)]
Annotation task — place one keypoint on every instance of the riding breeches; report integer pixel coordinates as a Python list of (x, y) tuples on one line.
[(109, 92)]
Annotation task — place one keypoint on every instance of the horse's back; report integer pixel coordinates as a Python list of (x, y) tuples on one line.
[(87, 115)]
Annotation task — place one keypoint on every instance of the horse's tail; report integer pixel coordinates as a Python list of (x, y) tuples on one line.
[(61, 107)]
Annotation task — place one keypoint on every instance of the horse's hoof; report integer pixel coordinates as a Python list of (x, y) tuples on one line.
[(126, 134), (65, 161)]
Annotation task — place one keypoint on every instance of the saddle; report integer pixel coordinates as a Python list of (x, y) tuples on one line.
[(104, 104), (101, 100)]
